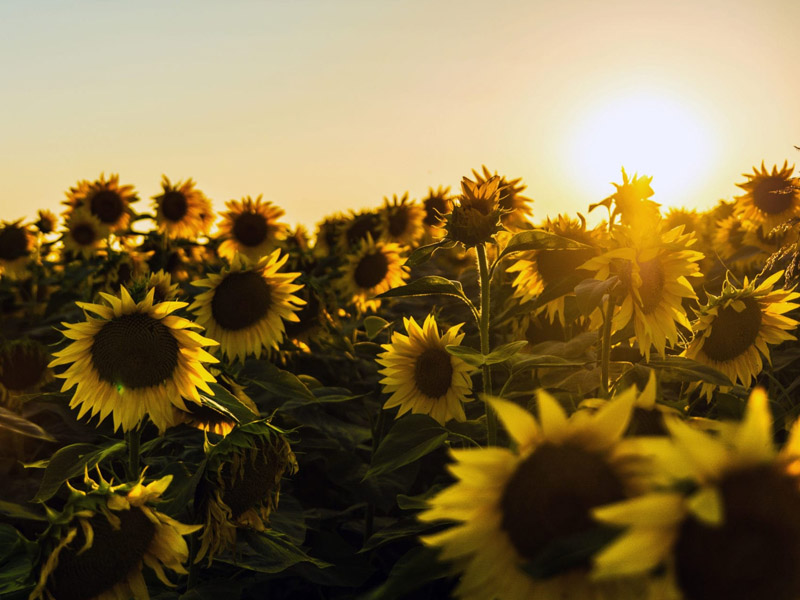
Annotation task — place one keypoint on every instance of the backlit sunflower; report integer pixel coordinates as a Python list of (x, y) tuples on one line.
[(770, 198), (633, 205), (16, 248), (101, 540), (247, 303), (421, 375), (47, 222), (242, 484), (437, 204), (23, 369), (735, 329), (538, 268), (251, 228), (357, 228), (729, 242), (327, 235), (516, 208), (735, 535), (515, 508), (375, 267), (653, 273), (161, 282), (402, 220), (84, 235), (181, 210), (135, 360), (105, 199), (475, 219), (690, 219)]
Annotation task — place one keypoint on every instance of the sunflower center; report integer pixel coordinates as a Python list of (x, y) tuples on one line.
[(550, 495), (434, 207), (240, 300), (21, 367), (371, 270), (113, 555), (174, 205), (652, 289), (732, 333), (13, 243), (107, 205), (368, 223), (260, 472), (398, 221), (553, 265), (250, 229), (433, 372), (755, 552), (83, 234), (771, 196), (135, 351)]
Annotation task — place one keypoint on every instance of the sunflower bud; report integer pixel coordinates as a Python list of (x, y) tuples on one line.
[(476, 217)]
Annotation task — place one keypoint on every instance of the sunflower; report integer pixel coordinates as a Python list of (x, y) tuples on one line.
[(242, 484), (105, 536), (515, 206), (735, 534), (514, 509), (476, 218), (84, 234), (357, 228), (735, 329), (107, 200), (207, 417), (135, 360), (23, 369), (770, 198), (181, 210), (729, 242), (161, 282), (538, 268), (327, 235), (421, 375), (374, 268), (47, 222), (247, 303), (437, 204), (690, 219), (250, 227), (402, 220), (16, 247), (653, 273)]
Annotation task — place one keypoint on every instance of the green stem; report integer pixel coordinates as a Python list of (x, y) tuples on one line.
[(485, 282), (605, 356), (132, 438)]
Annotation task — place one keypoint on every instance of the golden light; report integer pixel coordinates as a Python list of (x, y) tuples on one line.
[(648, 133)]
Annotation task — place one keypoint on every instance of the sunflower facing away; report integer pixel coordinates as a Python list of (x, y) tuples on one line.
[(402, 220), (514, 508), (181, 210), (437, 204), (475, 219), (247, 303), (23, 369), (736, 328), (735, 535), (516, 207), (107, 200), (16, 247), (251, 228), (422, 376), (770, 197), (134, 360), (84, 234), (104, 537), (374, 268)]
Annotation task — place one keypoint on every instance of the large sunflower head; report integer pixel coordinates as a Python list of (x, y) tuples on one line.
[(770, 198), (84, 235), (181, 210), (242, 484), (16, 248), (515, 510), (516, 207), (100, 541), (421, 375), (437, 205), (247, 303), (23, 369), (402, 220), (475, 219), (251, 228), (374, 268), (105, 199), (735, 329), (732, 532), (134, 359)]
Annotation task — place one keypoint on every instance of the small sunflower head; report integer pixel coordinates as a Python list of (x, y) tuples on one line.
[(327, 235), (358, 228), (251, 228), (632, 203), (402, 220), (770, 198), (437, 205), (16, 246), (476, 218), (515, 206), (47, 222), (105, 199), (23, 368), (182, 211)]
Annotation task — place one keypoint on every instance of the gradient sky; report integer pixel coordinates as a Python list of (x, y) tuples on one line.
[(325, 105)]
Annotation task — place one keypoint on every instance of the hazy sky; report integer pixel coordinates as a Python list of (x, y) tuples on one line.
[(327, 105)]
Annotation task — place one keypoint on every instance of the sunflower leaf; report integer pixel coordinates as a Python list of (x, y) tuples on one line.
[(570, 551), (424, 253), (476, 359), (557, 289), (425, 286), (539, 240), (543, 361), (414, 570), (18, 511), (590, 293), (681, 368), (226, 403), (18, 424), (409, 439), (273, 553), (278, 382), (374, 325)]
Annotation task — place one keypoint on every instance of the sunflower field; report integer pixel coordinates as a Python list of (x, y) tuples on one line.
[(451, 397)]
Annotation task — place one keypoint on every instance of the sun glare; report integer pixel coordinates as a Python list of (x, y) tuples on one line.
[(649, 134)]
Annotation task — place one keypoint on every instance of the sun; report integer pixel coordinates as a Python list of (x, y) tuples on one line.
[(647, 132)]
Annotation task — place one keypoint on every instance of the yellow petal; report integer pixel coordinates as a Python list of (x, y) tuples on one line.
[(706, 505), (552, 418), (519, 423)]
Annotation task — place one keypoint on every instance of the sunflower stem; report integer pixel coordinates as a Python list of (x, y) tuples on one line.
[(605, 351), (485, 282), (132, 439)]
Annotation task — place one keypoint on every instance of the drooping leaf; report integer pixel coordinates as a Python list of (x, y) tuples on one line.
[(18, 424), (374, 325), (410, 438), (226, 403), (274, 553), (278, 382), (424, 253)]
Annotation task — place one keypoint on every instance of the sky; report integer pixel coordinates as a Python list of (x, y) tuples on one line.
[(326, 106)]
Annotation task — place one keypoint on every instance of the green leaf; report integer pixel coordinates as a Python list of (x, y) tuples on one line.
[(278, 382), (557, 289), (568, 552), (420, 501), (424, 253), (416, 568), (274, 552), (18, 424), (590, 292), (226, 403), (374, 325), (681, 368), (426, 286), (404, 529), (409, 439), (18, 511), (476, 359), (467, 354), (544, 361), (539, 240)]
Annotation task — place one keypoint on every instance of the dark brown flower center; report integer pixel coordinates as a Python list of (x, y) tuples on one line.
[(241, 299), (554, 265), (433, 372), (360, 226), (259, 476), (371, 270), (398, 221), (83, 234), (435, 206), (770, 194), (135, 351), (308, 315), (652, 290), (250, 229), (108, 206), (13, 243), (732, 333), (174, 205), (22, 367), (113, 555), (756, 550), (551, 494)]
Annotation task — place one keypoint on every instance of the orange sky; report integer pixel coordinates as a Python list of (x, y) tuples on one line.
[(323, 106)]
